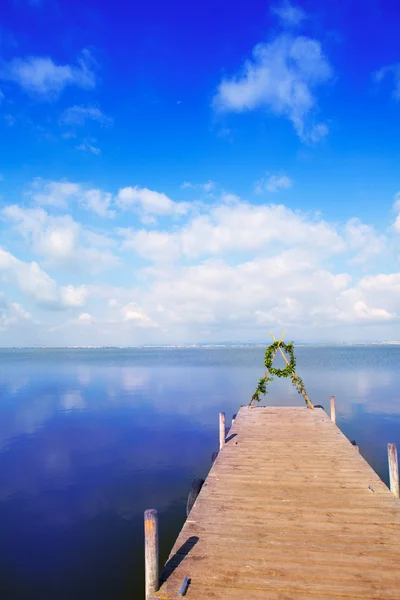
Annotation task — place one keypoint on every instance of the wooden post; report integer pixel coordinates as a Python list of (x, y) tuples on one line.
[(151, 552), (333, 409), (221, 430), (393, 470)]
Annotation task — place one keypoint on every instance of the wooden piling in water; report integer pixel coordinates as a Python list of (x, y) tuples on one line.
[(221, 430), (393, 470), (151, 552), (333, 409)]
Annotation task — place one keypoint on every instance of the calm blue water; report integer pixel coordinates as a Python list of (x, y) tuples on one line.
[(91, 438)]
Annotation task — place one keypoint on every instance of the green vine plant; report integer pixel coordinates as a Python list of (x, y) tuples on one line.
[(288, 371)]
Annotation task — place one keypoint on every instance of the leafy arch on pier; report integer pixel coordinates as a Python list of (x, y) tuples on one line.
[(288, 371)]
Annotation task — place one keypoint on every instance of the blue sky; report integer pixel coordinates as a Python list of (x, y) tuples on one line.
[(181, 173)]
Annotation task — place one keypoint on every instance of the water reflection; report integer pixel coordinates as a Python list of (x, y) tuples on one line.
[(72, 400), (90, 439), (83, 375), (133, 379)]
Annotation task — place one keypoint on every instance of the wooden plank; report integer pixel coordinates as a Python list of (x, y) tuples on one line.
[(289, 510)]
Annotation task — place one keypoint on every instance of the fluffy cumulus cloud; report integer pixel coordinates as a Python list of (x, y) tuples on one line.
[(289, 14), (396, 208), (239, 228), (11, 314), (62, 194), (282, 77), (45, 78), (60, 240), (362, 239), (34, 283), (148, 202), (229, 270)]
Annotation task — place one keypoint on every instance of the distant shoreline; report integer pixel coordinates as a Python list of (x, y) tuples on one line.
[(203, 346)]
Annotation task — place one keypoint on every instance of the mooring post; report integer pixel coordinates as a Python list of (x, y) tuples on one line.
[(151, 552), (393, 470), (333, 409), (221, 430)]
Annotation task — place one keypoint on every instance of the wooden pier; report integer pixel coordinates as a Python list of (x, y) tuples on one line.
[(289, 510)]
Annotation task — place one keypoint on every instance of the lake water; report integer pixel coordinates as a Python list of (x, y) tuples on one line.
[(89, 439)]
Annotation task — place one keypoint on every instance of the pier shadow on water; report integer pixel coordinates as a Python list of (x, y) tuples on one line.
[(175, 560)]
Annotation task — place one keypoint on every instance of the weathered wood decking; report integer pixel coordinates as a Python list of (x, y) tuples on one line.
[(287, 511)]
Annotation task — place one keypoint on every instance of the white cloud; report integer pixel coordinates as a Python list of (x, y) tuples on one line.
[(53, 193), (365, 303), (228, 198), (79, 115), (44, 78), (86, 319), (38, 286), (11, 314), (152, 245), (88, 146), (392, 71), (289, 15), (273, 183), (396, 208), (241, 301), (133, 312), (281, 77), (149, 202), (99, 202), (229, 270), (362, 311), (289, 289), (60, 194), (207, 187), (60, 240), (362, 239), (239, 227)]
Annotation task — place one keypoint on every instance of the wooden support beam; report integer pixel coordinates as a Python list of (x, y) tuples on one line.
[(221, 430), (333, 409), (393, 470), (151, 552)]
